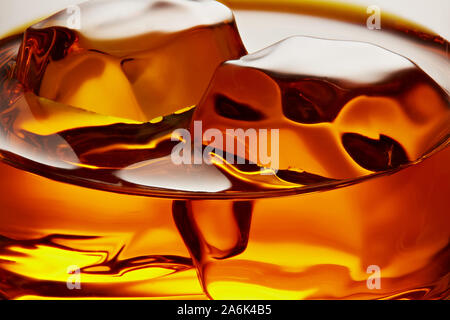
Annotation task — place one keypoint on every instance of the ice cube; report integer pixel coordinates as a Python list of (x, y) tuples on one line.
[(344, 109), (138, 59)]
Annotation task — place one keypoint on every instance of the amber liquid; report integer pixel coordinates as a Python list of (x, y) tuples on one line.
[(301, 234)]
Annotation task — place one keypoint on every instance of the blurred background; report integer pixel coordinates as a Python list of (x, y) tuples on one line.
[(434, 14)]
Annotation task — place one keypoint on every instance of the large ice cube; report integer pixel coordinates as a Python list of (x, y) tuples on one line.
[(136, 59), (344, 109)]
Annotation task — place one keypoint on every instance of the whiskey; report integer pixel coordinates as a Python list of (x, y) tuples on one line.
[(88, 181)]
